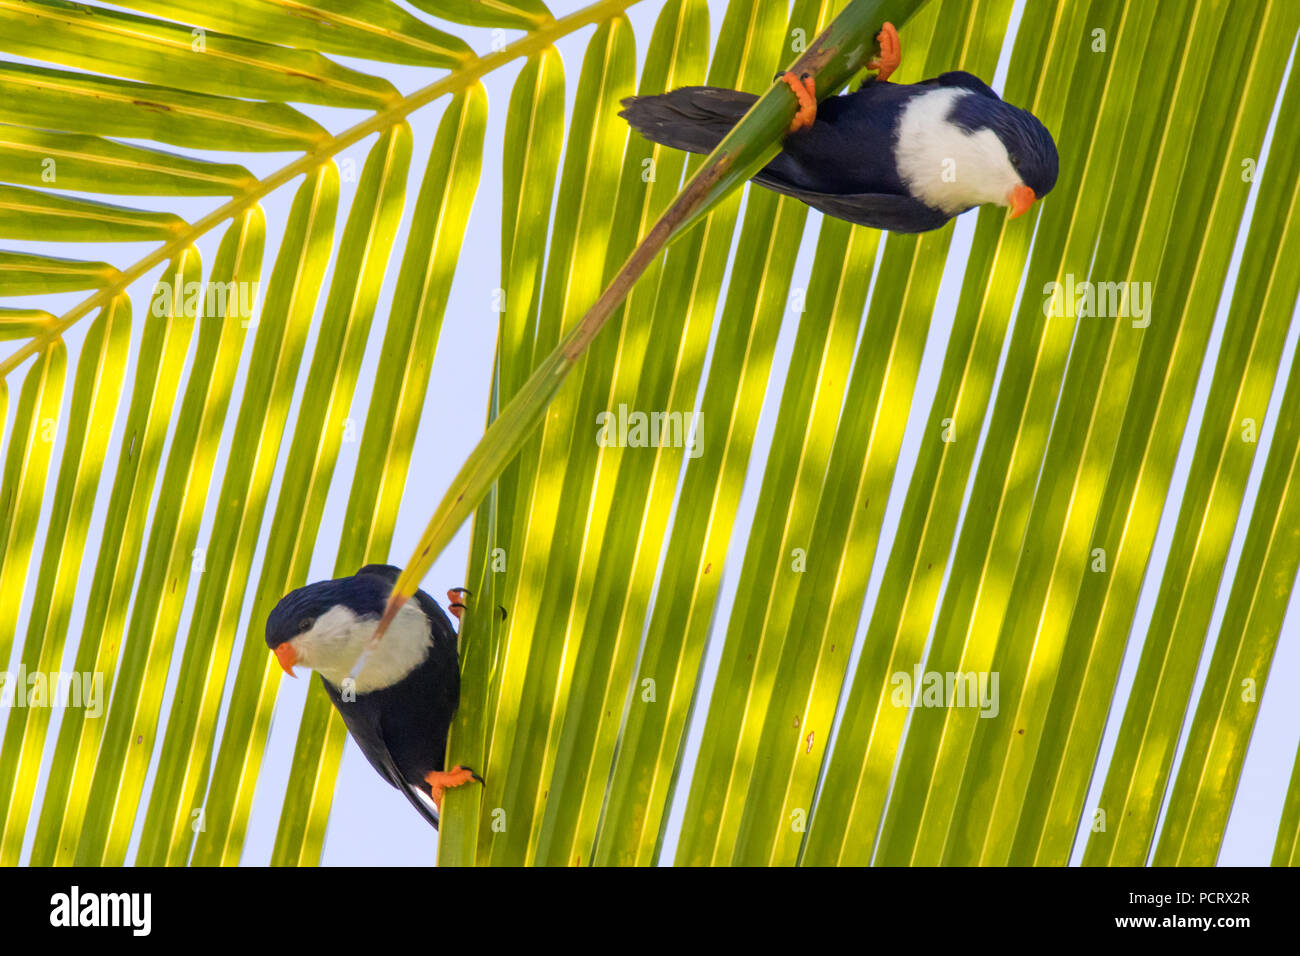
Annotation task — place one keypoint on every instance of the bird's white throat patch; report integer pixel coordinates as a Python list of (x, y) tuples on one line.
[(943, 165), (338, 637)]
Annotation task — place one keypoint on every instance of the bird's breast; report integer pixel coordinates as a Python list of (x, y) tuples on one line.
[(943, 164)]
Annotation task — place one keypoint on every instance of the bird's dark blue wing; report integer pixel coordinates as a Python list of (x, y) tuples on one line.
[(364, 726), (876, 210), (850, 147), (842, 165)]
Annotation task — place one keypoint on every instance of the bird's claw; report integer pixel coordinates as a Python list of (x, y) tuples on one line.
[(440, 780), (454, 604), (805, 91), (891, 53)]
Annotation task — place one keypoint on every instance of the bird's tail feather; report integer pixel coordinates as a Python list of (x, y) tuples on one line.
[(693, 118)]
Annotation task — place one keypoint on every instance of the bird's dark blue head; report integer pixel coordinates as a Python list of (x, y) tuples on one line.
[(1030, 147), (326, 614), (298, 610)]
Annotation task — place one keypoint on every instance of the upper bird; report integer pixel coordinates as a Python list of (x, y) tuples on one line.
[(897, 156), (399, 707)]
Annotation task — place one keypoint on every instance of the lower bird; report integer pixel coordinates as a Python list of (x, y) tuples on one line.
[(399, 706), (896, 156)]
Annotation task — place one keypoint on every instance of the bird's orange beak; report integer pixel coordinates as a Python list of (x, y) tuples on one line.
[(1020, 199), (287, 655)]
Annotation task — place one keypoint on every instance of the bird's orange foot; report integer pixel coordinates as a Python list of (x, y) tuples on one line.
[(805, 91), (891, 53), (440, 780), (454, 603)]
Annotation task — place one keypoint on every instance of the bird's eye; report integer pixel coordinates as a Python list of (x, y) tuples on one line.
[(305, 624), (1015, 159)]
